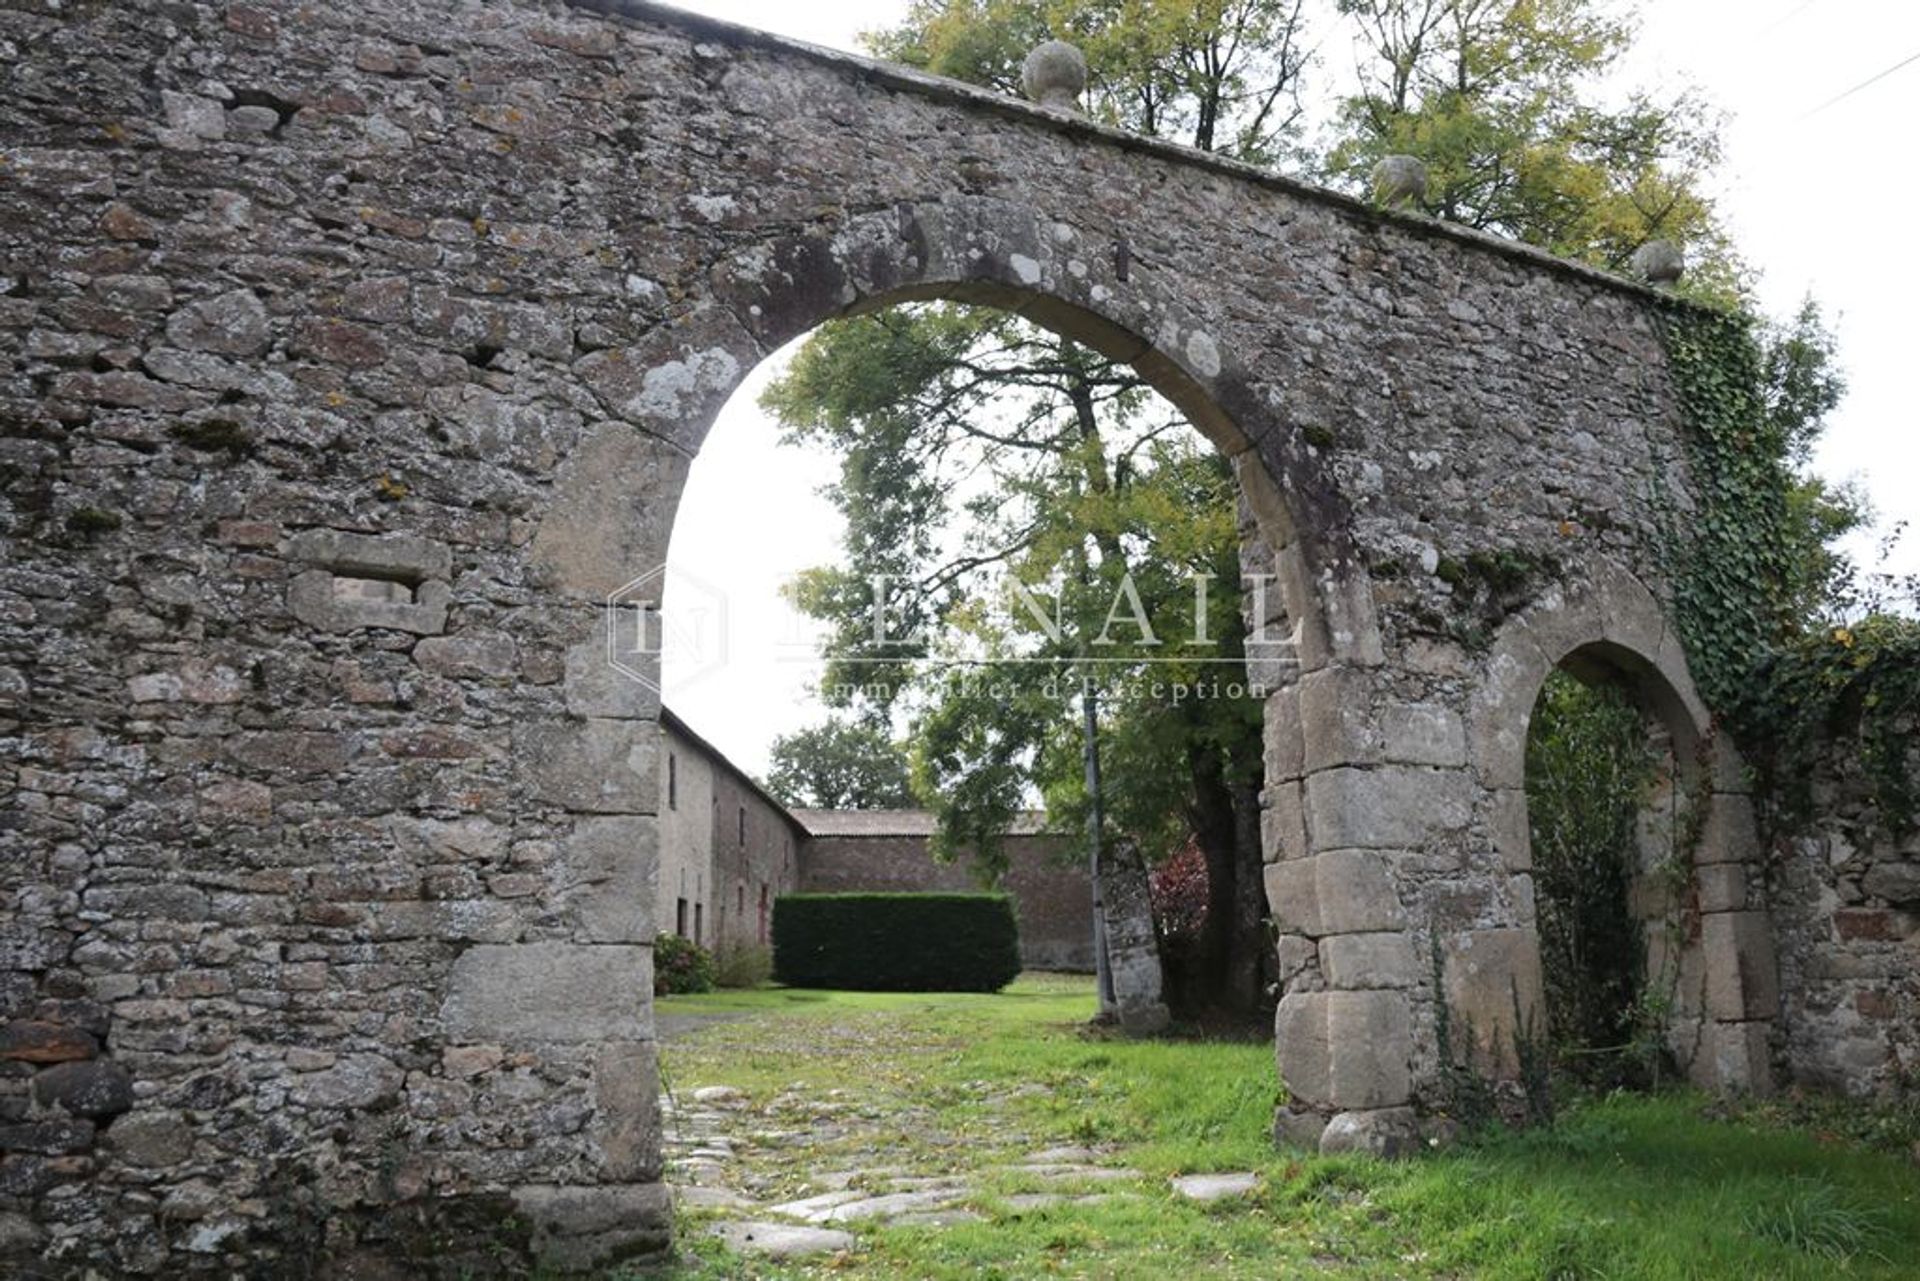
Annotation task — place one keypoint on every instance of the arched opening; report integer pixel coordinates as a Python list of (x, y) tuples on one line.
[(998, 480), (1587, 696), (1612, 821), (1154, 447)]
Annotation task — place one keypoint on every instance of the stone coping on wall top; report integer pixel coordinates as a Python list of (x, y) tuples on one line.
[(958, 91)]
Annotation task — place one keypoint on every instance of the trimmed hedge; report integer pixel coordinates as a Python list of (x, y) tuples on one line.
[(896, 942)]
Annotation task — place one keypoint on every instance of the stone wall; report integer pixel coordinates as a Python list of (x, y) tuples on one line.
[(1046, 877), (1846, 897), (352, 357)]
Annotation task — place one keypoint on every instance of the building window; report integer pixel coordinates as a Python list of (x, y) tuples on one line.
[(680, 918), (743, 825), (699, 915), (763, 911), (673, 781), (740, 898)]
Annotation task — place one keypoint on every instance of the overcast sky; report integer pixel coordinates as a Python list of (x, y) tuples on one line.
[(1819, 194)]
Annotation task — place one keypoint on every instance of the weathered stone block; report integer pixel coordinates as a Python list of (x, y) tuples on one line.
[(1370, 1044), (151, 1140), (1354, 893), (1283, 823), (1344, 1050), (1493, 994), (617, 494), (1895, 883), (1742, 980), (626, 1127), (476, 655), (29, 1041), (1391, 807), (591, 766), (230, 324), (47, 1138), (1502, 707), (1423, 734), (1300, 1048), (1735, 1056), (1383, 1132), (1731, 833), (1285, 748), (96, 1090), (1337, 722), (1292, 898), (1722, 887), (577, 1228), (1512, 829), (400, 557), (355, 1081), (595, 687), (1297, 1127), (1356, 961), (607, 872), (529, 993)]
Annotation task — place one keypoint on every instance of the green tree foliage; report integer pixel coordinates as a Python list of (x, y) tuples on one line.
[(1025, 517), (1801, 384), (1589, 768), (1220, 75), (1504, 101), (840, 764)]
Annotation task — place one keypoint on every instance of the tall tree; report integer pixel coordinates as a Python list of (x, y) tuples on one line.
[(840, 765), (1220, 75), (1506, 103), (1060, 429), (1025, 521), (1801, 385)]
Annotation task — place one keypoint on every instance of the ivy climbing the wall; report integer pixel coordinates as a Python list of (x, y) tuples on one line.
[(1785, 682)]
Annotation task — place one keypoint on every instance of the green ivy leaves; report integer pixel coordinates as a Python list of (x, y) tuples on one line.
[(1786, 691)]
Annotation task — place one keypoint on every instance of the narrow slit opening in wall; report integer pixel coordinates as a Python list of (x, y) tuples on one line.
[(387, 591)]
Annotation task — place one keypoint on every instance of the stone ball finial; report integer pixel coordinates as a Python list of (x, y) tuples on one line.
[(1399, 180), (1659, 262), (1055, 75)]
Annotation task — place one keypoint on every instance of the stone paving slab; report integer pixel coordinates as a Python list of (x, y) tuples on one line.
[(781, 1240), (695, 1197), (813, 1208), (890, 1206), (1214, 1187)]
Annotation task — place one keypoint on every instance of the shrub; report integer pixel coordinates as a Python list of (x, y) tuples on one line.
[(896, 942), (742, 965), (680, 965)]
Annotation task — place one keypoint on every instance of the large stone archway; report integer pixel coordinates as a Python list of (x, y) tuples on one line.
[(357, 352)]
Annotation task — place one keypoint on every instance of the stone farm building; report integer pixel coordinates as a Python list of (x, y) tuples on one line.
[(728, 849)]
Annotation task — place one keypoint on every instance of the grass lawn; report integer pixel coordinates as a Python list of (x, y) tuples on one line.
[(1629, 1187)]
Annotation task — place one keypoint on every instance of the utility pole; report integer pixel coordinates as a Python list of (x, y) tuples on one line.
[(1096, 840)]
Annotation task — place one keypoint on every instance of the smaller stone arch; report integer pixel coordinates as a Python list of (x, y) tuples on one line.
[(1612, 625)]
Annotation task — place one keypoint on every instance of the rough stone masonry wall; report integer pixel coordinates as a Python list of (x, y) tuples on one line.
[(350, 355), (1846, 897)]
